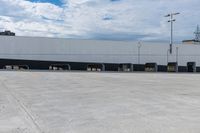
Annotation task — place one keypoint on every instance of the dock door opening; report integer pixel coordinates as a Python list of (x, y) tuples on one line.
[(151, 67), (96, 67), (172, 67), (125, 67), (60, 67), (16, 67), (191, 66)]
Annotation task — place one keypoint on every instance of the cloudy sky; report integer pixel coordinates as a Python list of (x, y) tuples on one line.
[(100, 19)]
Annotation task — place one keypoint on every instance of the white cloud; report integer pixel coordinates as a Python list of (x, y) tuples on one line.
[(119, 19)]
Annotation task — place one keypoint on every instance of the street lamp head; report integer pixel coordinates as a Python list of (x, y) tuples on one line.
[(171, 20), (175, 13), (167, 15)]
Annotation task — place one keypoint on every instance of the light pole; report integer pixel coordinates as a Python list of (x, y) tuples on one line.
[(139, 46), (167, 56), (177, 55), (171, 20)]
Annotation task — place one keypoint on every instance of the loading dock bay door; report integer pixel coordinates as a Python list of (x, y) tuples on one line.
[(151, 67), (125, 67), (95, 67), (172, 67), (191, 66), (16, 67), (60, 67)]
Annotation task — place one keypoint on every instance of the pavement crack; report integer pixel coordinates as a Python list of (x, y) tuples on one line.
[(20, 104)]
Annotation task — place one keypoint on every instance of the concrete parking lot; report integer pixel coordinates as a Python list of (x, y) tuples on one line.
[(82, 102)]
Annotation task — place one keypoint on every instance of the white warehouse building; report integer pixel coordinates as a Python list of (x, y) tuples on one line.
[(38, 49)]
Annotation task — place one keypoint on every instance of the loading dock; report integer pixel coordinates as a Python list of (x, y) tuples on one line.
[(172, 67), (60, 67), (95, 67), (16, 67), (125, 67), (151, 67), (191, 66), (23, 67)]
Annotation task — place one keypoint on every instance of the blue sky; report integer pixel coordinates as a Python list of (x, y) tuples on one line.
[(100, 19), (56, 2)]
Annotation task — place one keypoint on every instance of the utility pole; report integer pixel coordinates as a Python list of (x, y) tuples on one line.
[(171, 21)]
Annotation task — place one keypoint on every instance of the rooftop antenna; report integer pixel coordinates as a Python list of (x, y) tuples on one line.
[(197, 34)]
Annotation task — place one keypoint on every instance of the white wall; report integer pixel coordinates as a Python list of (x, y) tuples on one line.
[(52, 49)]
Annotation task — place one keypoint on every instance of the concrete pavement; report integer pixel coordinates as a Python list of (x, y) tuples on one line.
[(75, 102)]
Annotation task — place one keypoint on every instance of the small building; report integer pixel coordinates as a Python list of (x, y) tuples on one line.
[(7, 33), (191, 41)]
